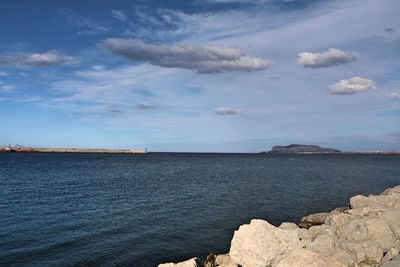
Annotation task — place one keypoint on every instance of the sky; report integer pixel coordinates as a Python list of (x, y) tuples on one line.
[(200, 75)]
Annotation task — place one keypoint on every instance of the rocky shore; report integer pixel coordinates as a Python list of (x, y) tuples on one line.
[(367, 233)]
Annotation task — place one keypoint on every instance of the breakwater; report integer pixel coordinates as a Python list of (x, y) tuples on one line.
[(73, 150), (367, 233)]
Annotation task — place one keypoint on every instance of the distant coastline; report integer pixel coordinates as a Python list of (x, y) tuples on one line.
[(71, 150), (314, 149), (298, 149)]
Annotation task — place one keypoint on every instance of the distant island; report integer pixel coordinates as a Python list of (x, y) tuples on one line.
[(302, 149)]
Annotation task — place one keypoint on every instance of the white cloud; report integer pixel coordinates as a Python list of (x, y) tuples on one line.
[(227, 111), (50, 58), (331, 57), (3, 73), (118, 14), (351, 86), (202, 59), (28, 99), (5, 87), (395, 95)]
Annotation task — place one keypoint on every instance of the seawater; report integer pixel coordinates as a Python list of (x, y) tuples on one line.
[(141, 210)]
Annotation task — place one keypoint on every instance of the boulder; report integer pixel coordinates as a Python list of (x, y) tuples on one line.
[(393, 219), (379, 230), (193, 262), (313, 220), (395, 262), (367, 253), (301, 257), (391, 191), (379, 203), (259, 243), (392, 253), (224, 260)]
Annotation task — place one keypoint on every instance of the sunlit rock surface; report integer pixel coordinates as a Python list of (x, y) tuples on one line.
[(366, 234)]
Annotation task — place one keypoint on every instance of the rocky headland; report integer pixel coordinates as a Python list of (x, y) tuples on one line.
[(367, 233), (301, 149)]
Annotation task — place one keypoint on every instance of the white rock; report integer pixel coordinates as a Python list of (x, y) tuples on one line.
[(304, 258), (380, 231), (193, 262), (257, 244), (393, 219), (379, 203), (391, 191), (224, 260), (322, 244), (367, 252)]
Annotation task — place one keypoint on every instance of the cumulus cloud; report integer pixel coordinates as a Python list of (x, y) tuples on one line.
[(351, 86), (118, 14), (145, 105), (202, 59), (227, 111), (331, 57), (50, 58)]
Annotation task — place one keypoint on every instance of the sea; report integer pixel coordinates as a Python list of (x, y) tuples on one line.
[(67, 209)]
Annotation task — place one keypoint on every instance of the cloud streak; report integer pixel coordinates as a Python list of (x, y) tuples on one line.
[(331, 57), (227, 111), (394, 95), (50, 58), (145, 106), (118, 14), (351, 86), (202, 59)]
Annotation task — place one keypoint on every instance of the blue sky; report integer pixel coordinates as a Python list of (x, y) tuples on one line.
[(210, 75)]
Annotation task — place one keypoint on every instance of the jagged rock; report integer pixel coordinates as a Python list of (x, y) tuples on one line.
[(313, 220), (380, 231), (395, 262), (210, 260), (366, 235), (392, 253), (224, 260), (322, 244), (379, 203), (301, 257), (393, 219), (391, 191), (257, 244), (288, 226), (368, 253), (193, 262)]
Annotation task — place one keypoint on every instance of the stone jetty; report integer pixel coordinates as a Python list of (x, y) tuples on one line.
[(367, 233)]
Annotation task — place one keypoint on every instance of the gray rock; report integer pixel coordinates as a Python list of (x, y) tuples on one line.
[(313, 220), (395, 262)]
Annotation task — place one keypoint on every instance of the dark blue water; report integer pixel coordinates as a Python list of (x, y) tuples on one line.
[(140, 210)]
